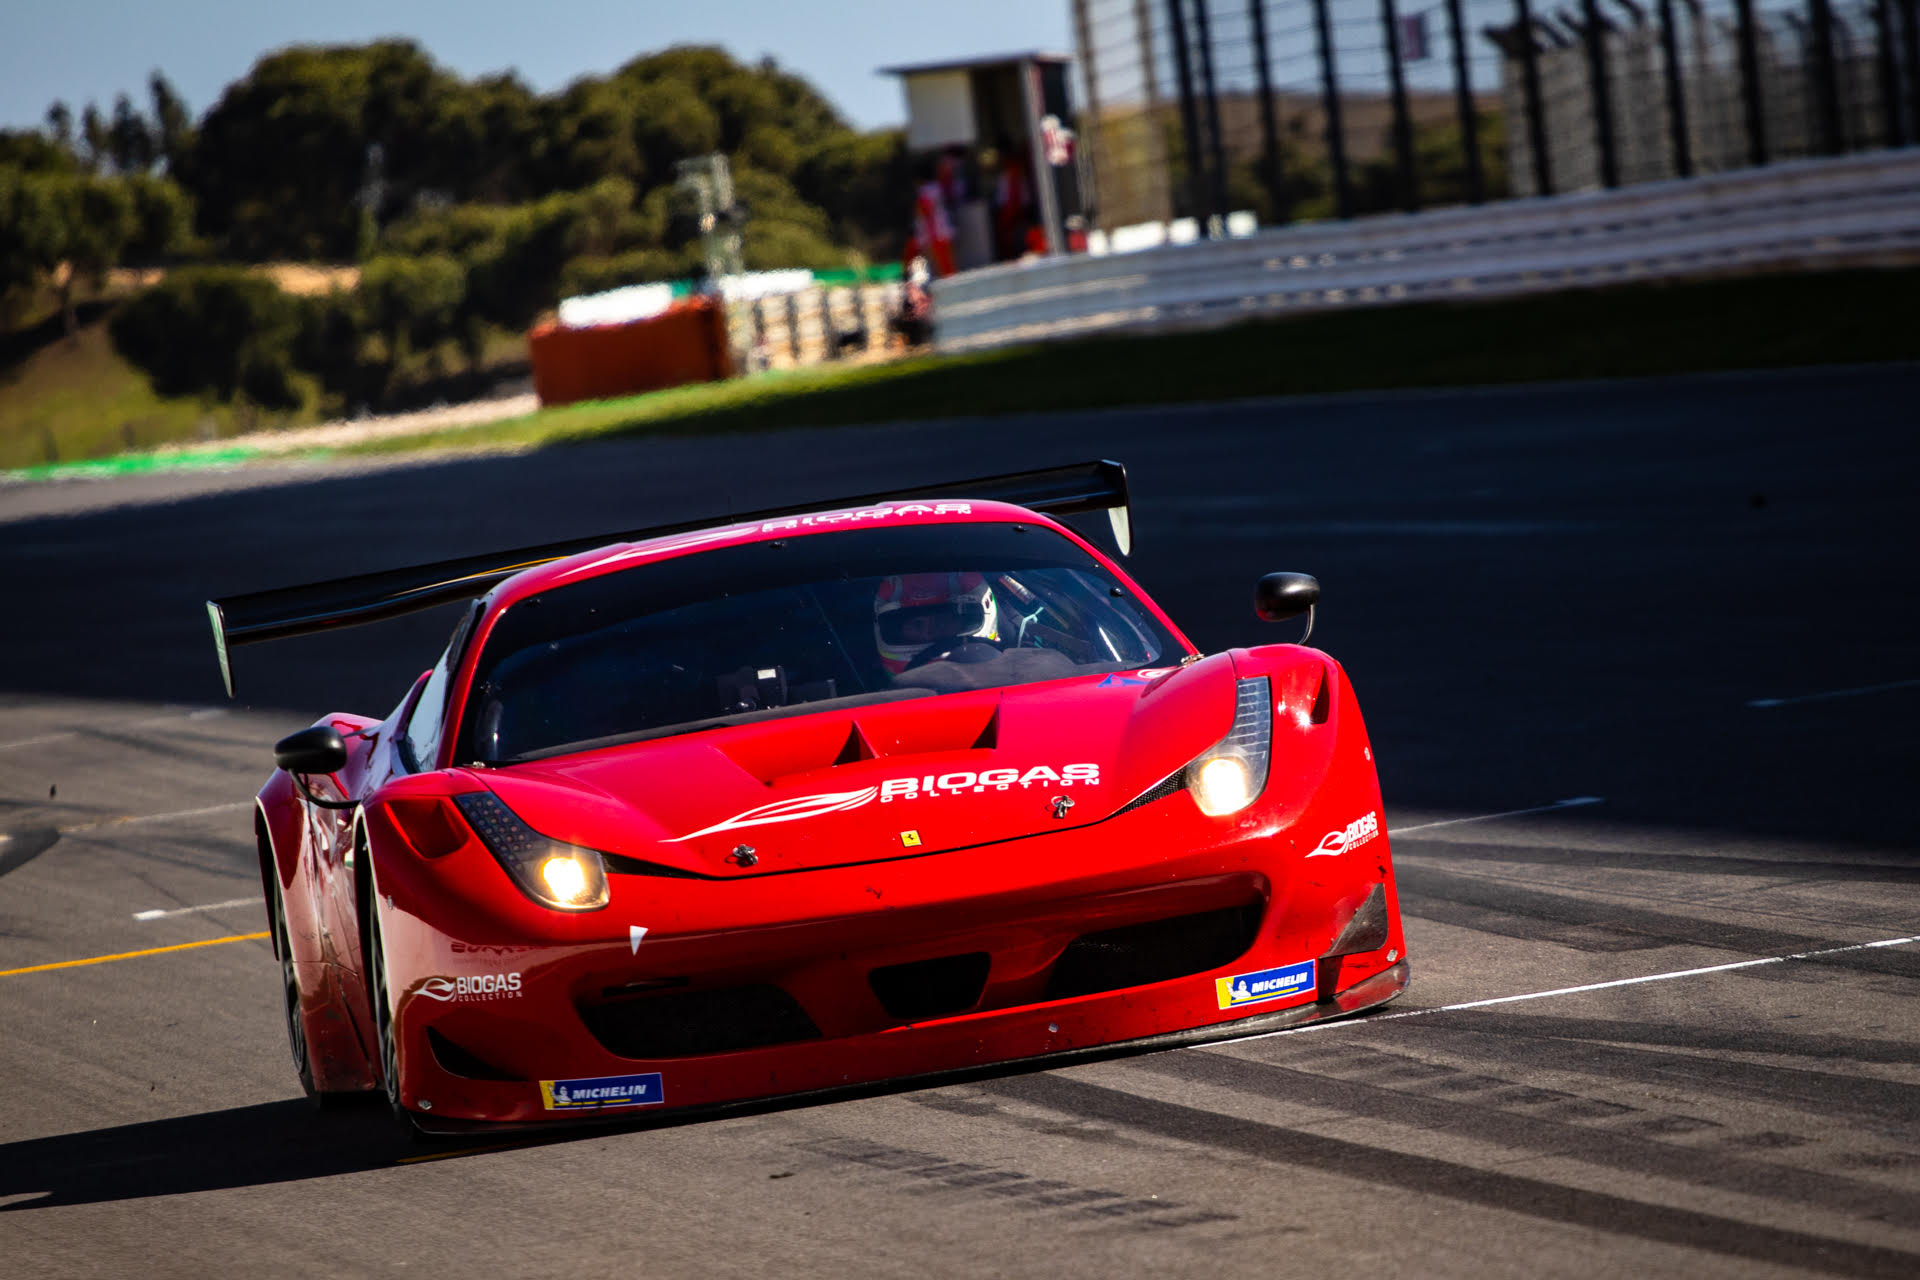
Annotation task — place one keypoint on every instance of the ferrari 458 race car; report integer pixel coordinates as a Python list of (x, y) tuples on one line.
[(902, 785)]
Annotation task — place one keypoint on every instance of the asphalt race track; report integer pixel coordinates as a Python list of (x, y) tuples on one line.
[(1690, 604)]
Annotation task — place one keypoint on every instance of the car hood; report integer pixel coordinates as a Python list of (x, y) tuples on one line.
[(887, 780)]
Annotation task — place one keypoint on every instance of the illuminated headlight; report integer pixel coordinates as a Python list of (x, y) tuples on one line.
[(1227, 778), (562, 876)]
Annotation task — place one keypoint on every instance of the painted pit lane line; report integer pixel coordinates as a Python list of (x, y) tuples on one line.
[(161, 913), (133, 955), (1765, 703)]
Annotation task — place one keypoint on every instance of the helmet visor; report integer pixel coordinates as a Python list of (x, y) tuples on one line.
[(925, 623)]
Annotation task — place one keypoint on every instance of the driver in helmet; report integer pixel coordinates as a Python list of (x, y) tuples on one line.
[(919, 616)]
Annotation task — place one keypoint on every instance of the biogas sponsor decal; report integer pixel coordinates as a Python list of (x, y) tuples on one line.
[(479, 986), (601, 1092), (862, 514), (1268, 984), (826, 520), (1358, 832), (960, 782)]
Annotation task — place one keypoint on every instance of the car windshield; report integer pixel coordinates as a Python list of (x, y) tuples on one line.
[(795, 625)]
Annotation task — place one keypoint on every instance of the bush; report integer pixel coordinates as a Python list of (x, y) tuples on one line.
[(218, 330), (413, 303)]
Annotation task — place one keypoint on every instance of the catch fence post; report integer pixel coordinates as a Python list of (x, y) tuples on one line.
[(1463, 105), (1826, 78), (1402, 125), (1536, 109), (1750, 83), (1676, 93), (1217, 184), (1189, 124), (1330, 97), (1269, 125), (1910, 33), (1091, 130), (1595, 35), (1887, 59)]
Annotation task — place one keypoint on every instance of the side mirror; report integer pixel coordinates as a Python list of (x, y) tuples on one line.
[(315, 750), (1280, 596)]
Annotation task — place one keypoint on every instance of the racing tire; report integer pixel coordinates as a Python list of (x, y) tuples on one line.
[(389, 1041), (290, 1002)]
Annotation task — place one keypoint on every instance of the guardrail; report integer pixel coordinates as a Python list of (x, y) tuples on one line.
[(1807, 213)]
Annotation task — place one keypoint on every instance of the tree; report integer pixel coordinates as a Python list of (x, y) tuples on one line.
[(60, 125), (162, 219), (94, 138), (862, 181), (282, 164), (411, 302), (172, 122), (130, 143), (220, 330)]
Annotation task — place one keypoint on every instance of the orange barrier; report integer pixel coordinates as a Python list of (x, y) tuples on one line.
[(686, 343)]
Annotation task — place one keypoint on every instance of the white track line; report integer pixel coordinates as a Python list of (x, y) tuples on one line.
[(204, 713), (34, 742), (162, 913), (1591, 986), (1574, 803), (157, 817), (1833, 693)]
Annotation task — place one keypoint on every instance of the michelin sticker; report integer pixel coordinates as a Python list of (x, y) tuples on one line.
[(602, 1092), (1268, 984), (1358, 832)]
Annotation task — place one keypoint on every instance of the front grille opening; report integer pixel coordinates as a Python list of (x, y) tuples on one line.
[(931, 988), (1159, 950), (690, 1024), (458, 1060)]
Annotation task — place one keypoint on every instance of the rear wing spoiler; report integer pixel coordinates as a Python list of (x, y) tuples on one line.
[(389, 593)]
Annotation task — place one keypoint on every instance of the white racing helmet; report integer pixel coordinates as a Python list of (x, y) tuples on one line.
[(914, 611)]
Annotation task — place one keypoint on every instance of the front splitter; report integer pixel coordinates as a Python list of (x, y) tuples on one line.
[(1372, 993)]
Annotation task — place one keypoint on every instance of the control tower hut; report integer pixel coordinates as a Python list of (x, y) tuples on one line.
[(996, 121)]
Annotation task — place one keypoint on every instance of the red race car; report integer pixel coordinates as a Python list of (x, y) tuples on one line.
[(808, 800)]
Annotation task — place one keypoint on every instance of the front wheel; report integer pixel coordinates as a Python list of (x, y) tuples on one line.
[(388, 1034), (291, 1002)]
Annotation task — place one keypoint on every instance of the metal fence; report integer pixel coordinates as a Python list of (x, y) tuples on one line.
[(1299, 110), (1819, 213)]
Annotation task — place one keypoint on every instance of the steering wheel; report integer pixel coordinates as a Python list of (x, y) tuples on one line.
[(966, 649)]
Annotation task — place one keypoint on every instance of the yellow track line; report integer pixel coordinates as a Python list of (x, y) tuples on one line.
[(129, 955)]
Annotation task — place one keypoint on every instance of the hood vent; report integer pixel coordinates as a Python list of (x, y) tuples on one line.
[(857, 747), (775, 751)]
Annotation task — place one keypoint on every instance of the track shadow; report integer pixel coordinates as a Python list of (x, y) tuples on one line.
[(240, 1147)]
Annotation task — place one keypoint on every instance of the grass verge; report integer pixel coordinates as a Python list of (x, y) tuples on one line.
[(1751, 322), (76, 398)]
